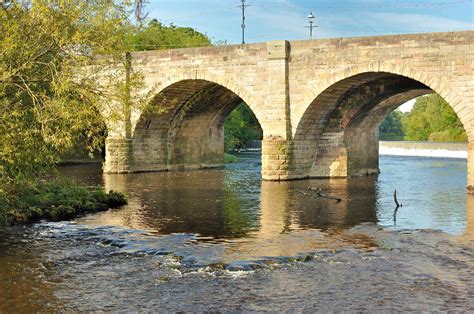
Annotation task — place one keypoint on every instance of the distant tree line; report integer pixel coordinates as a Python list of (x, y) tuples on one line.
[(431, 119), (157, 36)]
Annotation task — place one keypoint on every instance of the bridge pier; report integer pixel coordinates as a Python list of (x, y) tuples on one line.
[(276, 155), (362, 151), (197, 147), (470, 168), (118, 155)]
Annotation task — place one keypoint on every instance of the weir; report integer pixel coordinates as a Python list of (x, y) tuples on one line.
[(423, 149), (319, 102)]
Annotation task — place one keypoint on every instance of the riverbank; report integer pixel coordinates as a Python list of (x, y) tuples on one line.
[(54, 201), (423, 149)]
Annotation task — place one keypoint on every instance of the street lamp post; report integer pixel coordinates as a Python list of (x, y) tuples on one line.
[(243, 6), (311, 26)]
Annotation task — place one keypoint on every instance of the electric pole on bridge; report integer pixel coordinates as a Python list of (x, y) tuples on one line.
[(311, 26), (243, 6)]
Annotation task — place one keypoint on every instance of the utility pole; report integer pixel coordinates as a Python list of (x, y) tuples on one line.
[(311, 26), (243, 6)]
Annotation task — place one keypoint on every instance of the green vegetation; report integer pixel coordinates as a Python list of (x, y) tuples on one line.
[(157, 36), (229, 158), (44, 105), (391, 128), (57, 200), (431, 119), (50, 98), (241, 126)]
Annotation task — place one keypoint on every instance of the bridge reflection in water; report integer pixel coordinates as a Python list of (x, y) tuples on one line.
[(254, 217), (469, 232), (236, 207), (204, 202)]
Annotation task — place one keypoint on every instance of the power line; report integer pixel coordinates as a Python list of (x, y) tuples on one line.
[(370, 4)]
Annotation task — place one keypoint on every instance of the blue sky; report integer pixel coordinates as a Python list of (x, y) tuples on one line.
[(286, 19)]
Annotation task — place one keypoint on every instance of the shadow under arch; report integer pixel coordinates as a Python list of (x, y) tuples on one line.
[(183, 127), (337, 135)]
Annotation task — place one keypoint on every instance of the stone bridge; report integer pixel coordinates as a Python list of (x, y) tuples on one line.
[(319, 102)]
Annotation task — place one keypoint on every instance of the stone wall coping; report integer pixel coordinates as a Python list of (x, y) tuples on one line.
[(297, 43)]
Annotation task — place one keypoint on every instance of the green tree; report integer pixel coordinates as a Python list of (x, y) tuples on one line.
[(433, 119), (241, 126), (46, 101), (391, 128), (156, 36)]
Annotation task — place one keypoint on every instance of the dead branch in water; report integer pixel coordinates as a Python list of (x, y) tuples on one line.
[(303, 192), (395, 199), (320, 194), (396, 208), (395, 216)]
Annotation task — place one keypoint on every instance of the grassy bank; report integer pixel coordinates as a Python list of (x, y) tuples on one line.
[(58, 200), (229, 158)]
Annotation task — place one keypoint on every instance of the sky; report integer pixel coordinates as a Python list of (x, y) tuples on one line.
[(286, 19)]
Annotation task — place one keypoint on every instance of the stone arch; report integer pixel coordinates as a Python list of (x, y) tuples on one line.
[(441, 88), (334, 127), (183, 128), (223, 81)]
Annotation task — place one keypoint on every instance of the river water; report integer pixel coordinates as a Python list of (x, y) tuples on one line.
[(225, 240)]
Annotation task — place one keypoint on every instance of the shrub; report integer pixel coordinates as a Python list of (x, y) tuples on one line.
[(229, 158), (56, 200)]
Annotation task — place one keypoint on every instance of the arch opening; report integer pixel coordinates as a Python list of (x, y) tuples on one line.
[(338, 135), (184, 127)]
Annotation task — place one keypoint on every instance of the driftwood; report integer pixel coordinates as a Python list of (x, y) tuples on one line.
[(396, 208), (303, 192), (395, 199), (320, 194)]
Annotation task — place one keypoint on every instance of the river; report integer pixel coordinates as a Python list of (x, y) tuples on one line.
[(225, 240)]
